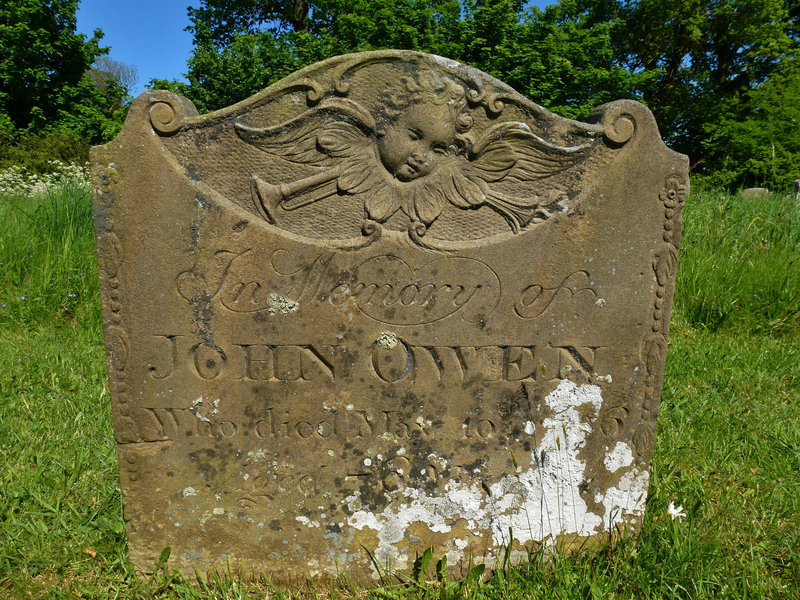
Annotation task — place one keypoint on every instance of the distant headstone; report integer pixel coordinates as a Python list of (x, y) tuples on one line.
[(797, 189), (752, 193), (385, 304)]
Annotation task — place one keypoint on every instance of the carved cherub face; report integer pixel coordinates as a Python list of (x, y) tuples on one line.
[(410, 152), (419, 123), (410, 146)]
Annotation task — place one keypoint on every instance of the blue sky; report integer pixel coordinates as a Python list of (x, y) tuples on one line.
[(148, 34)]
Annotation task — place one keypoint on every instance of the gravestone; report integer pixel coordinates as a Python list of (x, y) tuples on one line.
[(385, 304), (755, 193)]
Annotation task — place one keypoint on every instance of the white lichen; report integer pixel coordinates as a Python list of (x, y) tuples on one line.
[(601, 378), (626, 500), (621, 456), (387, 340), (201, 410), (538, 503), (306, 521), (257, 456), (281, 304)]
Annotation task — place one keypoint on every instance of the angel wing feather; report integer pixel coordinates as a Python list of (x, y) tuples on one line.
[(509, 151), (532, 157), (328, 129)]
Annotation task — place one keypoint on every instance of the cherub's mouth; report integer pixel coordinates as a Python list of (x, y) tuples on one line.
[(407, 172)]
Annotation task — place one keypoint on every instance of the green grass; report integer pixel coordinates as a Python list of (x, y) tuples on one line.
[(740, 263), (727, 449), (47, 259)]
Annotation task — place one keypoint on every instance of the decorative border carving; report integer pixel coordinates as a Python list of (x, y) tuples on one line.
[(665, 264), (109, 257), (169, 111)]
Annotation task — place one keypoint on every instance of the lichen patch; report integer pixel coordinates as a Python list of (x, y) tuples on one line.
[(617, 458), (628, 499), (539, 503), (281, 304), (387, 340)]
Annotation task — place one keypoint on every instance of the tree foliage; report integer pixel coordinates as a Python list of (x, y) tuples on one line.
[(43, 87), (241, 46), (716, 73), (759, 144), (706, 57), (561, 57)]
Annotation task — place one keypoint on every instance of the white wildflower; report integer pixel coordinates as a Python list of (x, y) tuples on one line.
[(16, 180), (676, 512)]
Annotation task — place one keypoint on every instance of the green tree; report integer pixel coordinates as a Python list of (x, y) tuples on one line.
[(43, 62), (698, 64), (706, 55), (695, 63), (759, 144), (561, 57), (241, 46), (348, 23), (223, 75)]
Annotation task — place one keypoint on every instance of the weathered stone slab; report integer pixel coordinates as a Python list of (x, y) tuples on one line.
[(754, 193), (387, 303)]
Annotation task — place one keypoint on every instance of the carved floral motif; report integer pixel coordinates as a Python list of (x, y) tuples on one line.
[(109, 261), (665, 265)]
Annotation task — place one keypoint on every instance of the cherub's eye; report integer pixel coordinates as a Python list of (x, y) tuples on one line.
[(414, 135)]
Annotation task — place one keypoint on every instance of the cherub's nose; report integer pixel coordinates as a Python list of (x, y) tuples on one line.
[(420, 154)]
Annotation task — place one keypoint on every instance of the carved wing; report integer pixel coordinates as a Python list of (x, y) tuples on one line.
[(509, 151), (337, 136), (512, 149), (336, 128)]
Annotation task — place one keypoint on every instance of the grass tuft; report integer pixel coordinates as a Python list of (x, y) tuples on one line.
[(739, 263), (47, 258)]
